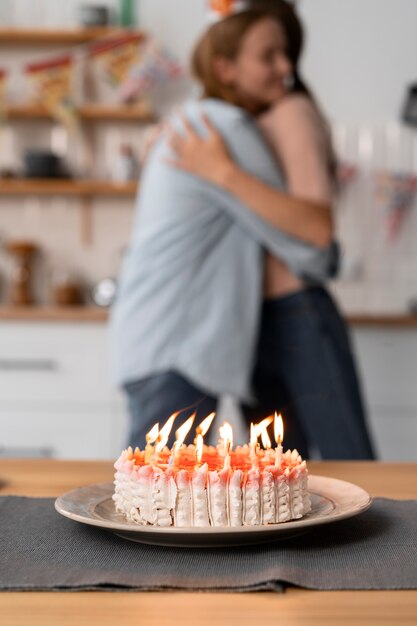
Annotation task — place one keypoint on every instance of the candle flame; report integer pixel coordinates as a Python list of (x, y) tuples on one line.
[(265, 423), (278, 428), (266, 441), (199, 448), (253, 435), (203, 427), (182, 432), (164, 433), (152, 435), (226, 433), (261, 429)]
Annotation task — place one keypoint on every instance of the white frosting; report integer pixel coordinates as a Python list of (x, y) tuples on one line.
[(268, 497), (282, 491), (304, 489), (252, 498), (296, 495), (200, 498), (127, 499), (164, 494), (236, 498), (218, 498), (151, 495), (183, 509)]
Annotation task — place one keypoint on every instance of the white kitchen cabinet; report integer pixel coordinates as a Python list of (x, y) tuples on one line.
[(56, 394), (57, 397), (80, 434), (387, 358)]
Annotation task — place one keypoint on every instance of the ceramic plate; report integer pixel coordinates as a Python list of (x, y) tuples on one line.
[(331, 500)]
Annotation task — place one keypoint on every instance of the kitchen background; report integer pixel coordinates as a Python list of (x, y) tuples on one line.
[(64, 237)]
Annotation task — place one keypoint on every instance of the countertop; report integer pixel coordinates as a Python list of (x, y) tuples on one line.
[(50, 478), (95, 314)]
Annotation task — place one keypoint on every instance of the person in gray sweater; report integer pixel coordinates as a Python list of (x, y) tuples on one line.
[(189, 322)]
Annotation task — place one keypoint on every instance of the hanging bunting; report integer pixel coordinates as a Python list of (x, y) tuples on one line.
[(117, 55), (395, 194), (156, 67), (131, 64), (347, 173), (53, 80)]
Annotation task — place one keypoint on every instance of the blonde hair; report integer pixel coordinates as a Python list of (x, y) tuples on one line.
[(222, 39)]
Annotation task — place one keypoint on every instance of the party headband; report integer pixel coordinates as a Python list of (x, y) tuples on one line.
[(220, 9)]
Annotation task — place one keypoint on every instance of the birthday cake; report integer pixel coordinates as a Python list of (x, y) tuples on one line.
[(210, 486)]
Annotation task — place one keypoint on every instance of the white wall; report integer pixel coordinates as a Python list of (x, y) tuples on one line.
[(177, 23), (360, 55)]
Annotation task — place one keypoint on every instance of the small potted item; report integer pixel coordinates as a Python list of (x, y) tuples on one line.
[(126, 165), (104, 292), (66, 289), (22, 253)]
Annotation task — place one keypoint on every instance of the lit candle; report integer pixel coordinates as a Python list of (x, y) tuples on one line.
[(279, 436), (203, 427), (180, 436), (151, 437), (162, 438), (226, 434), (262, 429), (254, 434), (199, 444)]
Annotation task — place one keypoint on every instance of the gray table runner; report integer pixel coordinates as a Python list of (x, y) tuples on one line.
[(41, 550)]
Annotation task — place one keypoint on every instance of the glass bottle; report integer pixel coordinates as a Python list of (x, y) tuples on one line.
[(127, 14)]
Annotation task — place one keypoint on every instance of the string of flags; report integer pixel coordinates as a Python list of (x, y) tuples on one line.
[(132, 64), (52, 82), (394, 193)]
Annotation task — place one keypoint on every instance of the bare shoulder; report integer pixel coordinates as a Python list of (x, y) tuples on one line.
[(295, 108), (300, 138), (295, 102), (295, 121)]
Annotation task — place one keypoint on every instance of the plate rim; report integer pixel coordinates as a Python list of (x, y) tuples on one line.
[(340, 511)]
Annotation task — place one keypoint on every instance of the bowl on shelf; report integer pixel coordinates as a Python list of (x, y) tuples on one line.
[(91, 15), (43, 164)]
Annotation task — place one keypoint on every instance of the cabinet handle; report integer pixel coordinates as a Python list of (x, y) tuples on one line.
[(28, 365)]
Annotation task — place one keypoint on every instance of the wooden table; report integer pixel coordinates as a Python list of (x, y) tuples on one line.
[(294, 607)]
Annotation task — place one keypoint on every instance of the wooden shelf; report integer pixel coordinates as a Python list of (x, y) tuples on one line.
[(53, 314), (140, 112), (383, 320), (53, 187), (53, 36), (96, 314)]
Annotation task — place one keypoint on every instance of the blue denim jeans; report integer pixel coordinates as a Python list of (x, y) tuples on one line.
[(304, 368)]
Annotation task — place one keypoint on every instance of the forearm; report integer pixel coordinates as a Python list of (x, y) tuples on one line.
[(306, 220), (305, 260)]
